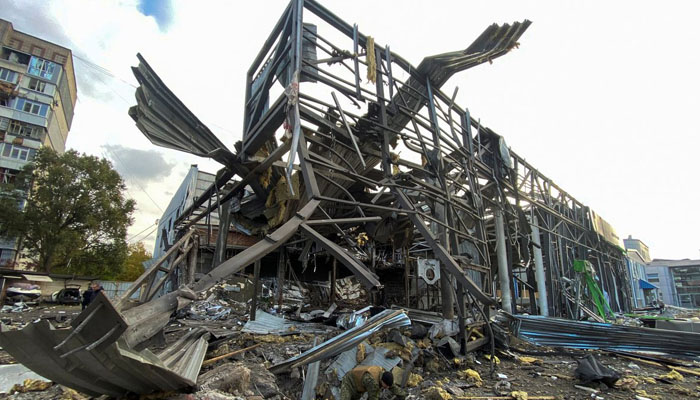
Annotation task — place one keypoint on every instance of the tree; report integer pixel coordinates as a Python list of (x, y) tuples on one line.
[(133, 266), (70, 214)]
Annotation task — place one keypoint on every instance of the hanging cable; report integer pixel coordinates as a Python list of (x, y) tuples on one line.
[(134, 181)]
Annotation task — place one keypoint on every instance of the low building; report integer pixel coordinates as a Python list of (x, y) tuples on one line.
[(678, 281)]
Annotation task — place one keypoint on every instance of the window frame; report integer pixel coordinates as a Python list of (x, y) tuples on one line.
[(40, 85)]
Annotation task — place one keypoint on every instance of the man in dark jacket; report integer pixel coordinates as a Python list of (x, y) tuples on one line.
[(91, 294), (370, 379)]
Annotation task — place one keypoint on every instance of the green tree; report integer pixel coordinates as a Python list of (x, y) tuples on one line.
[(70, 214), (133, 266)]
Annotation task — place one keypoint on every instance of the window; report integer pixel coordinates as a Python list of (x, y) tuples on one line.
[(37, 85), (21, 129), (8, 175), (32, 107), (7, 75), (653, 278), (18, 152), (41, 67)]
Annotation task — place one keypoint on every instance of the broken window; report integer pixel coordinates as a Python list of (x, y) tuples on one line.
[(37, 85), (23, 129), (8, 175), (41, 67)]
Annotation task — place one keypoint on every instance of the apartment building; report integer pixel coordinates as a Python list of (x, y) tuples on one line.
[(37, 99)]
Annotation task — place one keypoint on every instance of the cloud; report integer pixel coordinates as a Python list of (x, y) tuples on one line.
[(161, 10), (39, 22), (142, 166)]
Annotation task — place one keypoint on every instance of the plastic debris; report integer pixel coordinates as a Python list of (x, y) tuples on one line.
[(590, 370)]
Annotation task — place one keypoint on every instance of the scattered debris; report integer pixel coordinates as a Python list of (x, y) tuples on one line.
[(591, 370), (673, 375)]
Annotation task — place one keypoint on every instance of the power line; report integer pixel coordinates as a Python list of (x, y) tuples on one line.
[(147, 228), (109, 73), (134, 181), (102, 69), (153, 229)]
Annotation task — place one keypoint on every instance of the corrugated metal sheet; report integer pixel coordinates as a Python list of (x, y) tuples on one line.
[(346, 340), (92, 357), (265, 324), (559, 332)]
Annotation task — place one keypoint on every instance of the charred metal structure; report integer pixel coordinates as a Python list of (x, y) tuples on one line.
[(352, 154)]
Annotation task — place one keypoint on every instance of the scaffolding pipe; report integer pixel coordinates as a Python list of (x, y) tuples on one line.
[(539, 269), (503, 275)]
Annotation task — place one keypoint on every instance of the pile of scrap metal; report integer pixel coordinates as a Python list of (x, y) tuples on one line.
[(558, 332), (318, 172)]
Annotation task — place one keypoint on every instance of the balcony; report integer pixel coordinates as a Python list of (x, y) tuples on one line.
[(23, 116)]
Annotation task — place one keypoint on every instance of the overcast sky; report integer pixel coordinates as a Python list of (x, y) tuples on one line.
[(601, 96)]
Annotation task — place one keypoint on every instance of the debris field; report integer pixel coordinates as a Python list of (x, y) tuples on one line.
[(366, 219)]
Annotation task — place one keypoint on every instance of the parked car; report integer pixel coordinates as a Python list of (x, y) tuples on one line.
[(68, 295)]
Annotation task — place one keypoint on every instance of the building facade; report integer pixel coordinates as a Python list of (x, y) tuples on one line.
[(637, 258), (38, 93), (678, 281), (638, 246), (191, 188), (643, 291)]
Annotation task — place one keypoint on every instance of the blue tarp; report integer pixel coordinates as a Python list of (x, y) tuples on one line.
[(646, 285)]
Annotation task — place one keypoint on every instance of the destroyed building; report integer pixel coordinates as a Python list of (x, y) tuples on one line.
[(354, 160), (458, 204)]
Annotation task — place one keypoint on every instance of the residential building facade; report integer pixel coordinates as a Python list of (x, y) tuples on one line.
[(678, 281), (38, 94)]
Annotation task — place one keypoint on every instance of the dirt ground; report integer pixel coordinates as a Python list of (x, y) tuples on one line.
[(535, 370)]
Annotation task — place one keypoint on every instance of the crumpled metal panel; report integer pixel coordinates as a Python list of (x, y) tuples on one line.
[(265, 324), (93, 357), (167, 122), (115, 371), (379, 357), (346, 340)]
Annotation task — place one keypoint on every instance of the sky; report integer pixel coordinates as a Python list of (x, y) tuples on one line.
[(601, 96)]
